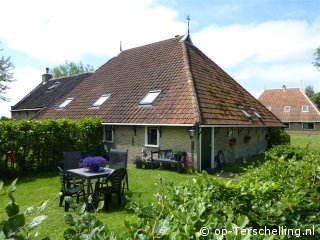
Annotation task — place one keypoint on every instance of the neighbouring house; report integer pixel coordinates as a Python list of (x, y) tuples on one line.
[(48, 92), (170, 95), (293, 107)]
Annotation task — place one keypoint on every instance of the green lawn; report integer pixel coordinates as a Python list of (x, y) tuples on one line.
[(31, 191), (304, 140)]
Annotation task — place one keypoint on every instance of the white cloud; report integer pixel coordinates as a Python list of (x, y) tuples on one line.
[(60, 30), (27, 78)]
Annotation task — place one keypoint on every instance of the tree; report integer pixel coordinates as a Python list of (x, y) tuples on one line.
[(70, 68), (6, 75), (316, 99), (316, 63), (309, 91)]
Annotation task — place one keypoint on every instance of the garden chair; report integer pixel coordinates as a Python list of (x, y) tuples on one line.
[(119, 159), (68, 190), (71, 159), (113, 184)]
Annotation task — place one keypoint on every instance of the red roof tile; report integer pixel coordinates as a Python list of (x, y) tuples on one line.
[(277, 99), (193, 90)]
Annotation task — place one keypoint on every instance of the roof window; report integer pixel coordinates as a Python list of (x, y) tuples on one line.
[(53, 86), (150, 97), (65, 103), (305, 108), (269, 108), (255, 113), (245, 113), (101, 100), (287, 108)]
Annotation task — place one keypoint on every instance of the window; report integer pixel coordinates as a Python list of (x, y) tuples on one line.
[(150, 97), (255, 113), (286, 125), (305, 108), (53, 86), (108, 133), (269, 108), (245, 113), (152, 137), (65, 103), (287, 109), (308, 126), (101, 100)]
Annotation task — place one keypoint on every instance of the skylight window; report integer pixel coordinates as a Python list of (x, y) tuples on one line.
[(287, 109), (269, 108), (150, 97), (245, 113), (65, 103), (255, 113), (305, 108), (101, 100), (53, 86)]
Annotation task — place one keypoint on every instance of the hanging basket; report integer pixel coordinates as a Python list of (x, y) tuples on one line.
[(232, 141)]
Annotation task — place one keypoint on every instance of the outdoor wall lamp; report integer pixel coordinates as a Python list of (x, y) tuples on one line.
[(192, 131)]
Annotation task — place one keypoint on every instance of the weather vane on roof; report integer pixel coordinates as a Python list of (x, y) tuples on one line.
[(188, 18)]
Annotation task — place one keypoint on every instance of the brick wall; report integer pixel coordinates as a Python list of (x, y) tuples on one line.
[(240, 150), (175, 138), (297, 126)]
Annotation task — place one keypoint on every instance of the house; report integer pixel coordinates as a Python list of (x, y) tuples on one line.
[(45, 95), (169, 94), (293, 107)]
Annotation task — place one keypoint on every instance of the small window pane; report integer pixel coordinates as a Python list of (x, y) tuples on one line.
[(287, 109), (65, 103), (101, 100), (286, 125), (150, 97), (308, 126), (245, 113), (152, 136), (256, 113), (305, 108), (108, 130)]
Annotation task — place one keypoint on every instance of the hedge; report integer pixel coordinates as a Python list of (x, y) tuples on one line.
[(39, 145)]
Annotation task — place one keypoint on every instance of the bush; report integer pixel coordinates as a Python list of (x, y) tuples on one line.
[(279, 137)]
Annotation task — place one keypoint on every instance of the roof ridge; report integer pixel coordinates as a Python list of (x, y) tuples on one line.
[(70, 76)]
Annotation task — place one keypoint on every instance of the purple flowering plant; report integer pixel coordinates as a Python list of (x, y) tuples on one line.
[(93, 163)]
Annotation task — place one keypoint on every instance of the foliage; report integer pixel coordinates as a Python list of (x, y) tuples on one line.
[(309, 91), (316, 63), (20, 225), (6, 75), (39, 145), (70, 68), (316, 99), (93, 163), (278, 137)]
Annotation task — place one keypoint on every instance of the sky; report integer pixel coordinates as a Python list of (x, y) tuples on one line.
[(262, 44)]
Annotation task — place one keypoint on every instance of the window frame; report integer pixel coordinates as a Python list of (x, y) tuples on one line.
[(147, 137), (286, 125), (255, 112), (105, 133), (101, 100), (65, 103), (308, 129), (307, 110), (245, 113), (151, 97), (287, 107)]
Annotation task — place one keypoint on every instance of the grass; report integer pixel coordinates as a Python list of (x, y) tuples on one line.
[(304, 140), (32, 190)]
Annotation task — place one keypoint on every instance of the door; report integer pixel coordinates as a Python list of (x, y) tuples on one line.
[(205, 148)]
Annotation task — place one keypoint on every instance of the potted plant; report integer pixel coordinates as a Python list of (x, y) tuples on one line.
[(93, 164)]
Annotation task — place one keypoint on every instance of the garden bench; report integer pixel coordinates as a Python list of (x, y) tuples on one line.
[(163, 157)]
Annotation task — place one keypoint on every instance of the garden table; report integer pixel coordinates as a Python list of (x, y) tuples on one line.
[(88, 176)]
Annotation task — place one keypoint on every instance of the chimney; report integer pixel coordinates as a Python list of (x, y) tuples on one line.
[(46, 77), (284, 88)]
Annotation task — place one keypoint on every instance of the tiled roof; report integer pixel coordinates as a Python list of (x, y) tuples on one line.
[(277, 99), (193, 90), (44, 96)]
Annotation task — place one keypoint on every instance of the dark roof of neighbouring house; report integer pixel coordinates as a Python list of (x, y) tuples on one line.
[(47, 94), (277, 99), (194, 90)]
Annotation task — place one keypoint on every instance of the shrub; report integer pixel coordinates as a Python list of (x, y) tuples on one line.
[(279, 137)]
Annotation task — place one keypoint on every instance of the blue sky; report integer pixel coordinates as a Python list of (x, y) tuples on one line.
[(260, 43)]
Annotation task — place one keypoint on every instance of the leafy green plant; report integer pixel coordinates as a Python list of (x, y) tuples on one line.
[(279, 137), (20, 225)]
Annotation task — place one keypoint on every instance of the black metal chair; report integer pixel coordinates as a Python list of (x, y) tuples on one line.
[(71, 159), (119, 159), (69, 190), (113, 184)]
